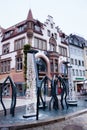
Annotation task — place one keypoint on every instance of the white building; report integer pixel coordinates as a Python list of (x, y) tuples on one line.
[(76, 50), (44, 37)]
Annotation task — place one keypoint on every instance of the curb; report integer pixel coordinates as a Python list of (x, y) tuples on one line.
[(40, 123), (76, 114)]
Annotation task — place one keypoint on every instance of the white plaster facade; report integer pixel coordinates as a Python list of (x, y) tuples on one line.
[(54, 37), (78, 69)]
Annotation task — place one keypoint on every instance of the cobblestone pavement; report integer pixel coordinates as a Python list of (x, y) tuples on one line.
[(69, 116), (80, 121)]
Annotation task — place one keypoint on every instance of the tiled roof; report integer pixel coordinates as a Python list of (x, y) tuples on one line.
[(14, 28)]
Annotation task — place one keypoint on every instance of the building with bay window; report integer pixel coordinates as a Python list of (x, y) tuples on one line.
[(44, 37)]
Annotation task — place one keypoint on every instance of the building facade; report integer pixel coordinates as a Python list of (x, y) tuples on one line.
[(44, 37), (77, 61)]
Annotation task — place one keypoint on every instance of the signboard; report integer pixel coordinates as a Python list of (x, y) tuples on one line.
[(31, 98), (80, 79)]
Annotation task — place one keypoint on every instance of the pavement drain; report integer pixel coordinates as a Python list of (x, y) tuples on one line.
[(72, 127)]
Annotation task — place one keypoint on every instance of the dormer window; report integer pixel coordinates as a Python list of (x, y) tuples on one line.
[(37, 28), (20, 29), (76, 42), (8, 34), (70, 40)]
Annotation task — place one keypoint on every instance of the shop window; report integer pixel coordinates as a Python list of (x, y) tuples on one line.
[(20, 89)]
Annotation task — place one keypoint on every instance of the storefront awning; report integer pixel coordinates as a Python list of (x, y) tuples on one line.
[(82, 82)]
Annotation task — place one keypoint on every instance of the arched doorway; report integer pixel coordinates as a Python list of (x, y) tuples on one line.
[(44, 67)]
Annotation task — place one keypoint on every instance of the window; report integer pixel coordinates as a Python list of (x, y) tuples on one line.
[(37, 28), (75, 61), (79, 62), (73, 72), (63, 69), (42, 66), (56, 65), (55, 35), (40, 43), (80, 72), (77, 72), (21, 28), (8, 34), (51, 25), (72, 61), (5, 48), (48, 33), (83, 73), (19, 63), (52, 47), (19, 44), (44, 45), (70, 40), (63, 50), (5, 66), (51, 65), (82, 63), (86, 52), (76, 42)]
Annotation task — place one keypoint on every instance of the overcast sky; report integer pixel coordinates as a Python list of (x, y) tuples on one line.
[(69, 15)]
